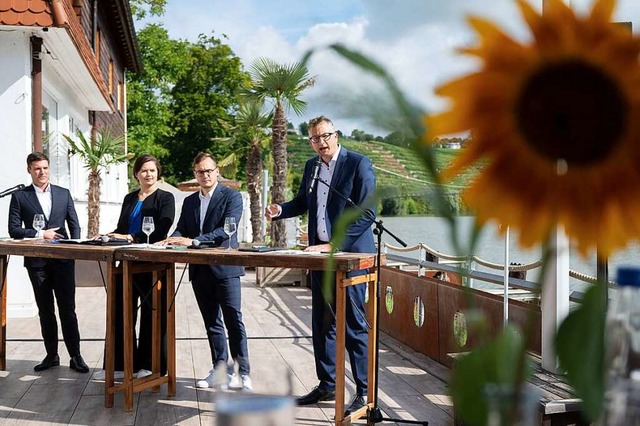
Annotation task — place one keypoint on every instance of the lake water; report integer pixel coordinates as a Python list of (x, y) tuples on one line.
[(434, 232)]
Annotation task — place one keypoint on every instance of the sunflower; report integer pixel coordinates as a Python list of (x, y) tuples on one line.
[(556, 125)]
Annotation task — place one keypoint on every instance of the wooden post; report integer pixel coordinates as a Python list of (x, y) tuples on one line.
[(109, 356), (171, 330), (3, 312), (341, 301), (127, 283)]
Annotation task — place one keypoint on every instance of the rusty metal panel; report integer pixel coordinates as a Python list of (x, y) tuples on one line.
[(442, 300), (406, 288), (459, 300)]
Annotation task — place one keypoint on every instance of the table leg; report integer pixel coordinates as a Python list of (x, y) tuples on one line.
[(156, 340), (127, 283), (341, 299), (4, 263), (110, 332), (171, 331)]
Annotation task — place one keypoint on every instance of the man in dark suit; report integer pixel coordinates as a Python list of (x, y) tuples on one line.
[(216, 287), (352, 175), (49, 277)]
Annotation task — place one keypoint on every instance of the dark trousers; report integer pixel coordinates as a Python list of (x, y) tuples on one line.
[(142, 348), (56, 277), (323, 325), (215, 296)]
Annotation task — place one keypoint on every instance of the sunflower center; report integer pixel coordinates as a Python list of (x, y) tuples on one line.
[(572, 111)]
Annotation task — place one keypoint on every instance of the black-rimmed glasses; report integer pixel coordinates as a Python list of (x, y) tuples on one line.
[(207, 172), (325, 137)]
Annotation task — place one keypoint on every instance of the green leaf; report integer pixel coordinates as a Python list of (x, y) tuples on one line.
[(580, 348)]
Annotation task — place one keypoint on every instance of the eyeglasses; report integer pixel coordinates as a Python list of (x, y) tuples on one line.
[(325, 137), (207, 172)]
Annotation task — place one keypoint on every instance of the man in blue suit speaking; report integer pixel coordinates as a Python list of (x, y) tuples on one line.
[(352, 175), (49, 277)]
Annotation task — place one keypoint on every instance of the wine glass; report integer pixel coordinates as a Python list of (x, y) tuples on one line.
[(38, 222), (147, 226), (229, 228)]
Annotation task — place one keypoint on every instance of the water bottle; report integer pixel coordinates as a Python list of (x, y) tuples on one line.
[(623, 351)]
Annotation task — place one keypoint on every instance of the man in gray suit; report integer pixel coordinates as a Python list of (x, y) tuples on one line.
[(49, 277)]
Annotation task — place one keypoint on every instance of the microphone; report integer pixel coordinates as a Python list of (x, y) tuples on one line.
[(11, 190), (315, 174)]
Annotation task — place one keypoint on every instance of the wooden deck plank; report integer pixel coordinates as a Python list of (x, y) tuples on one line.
[(279, 338)]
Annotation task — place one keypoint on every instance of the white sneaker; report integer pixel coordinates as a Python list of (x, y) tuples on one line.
[(241, 382), (101, 375), (143, 373), (211, 381), (247, 385), (207, 382)]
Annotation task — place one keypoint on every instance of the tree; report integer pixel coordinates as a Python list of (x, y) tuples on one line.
[(304, 128), (283, 85), (149, 92), (201, 100), (99, 152), (251, 123), (177, 103), (140, 8)]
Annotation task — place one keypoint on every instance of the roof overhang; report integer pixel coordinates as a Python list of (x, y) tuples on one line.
[(60, 54)]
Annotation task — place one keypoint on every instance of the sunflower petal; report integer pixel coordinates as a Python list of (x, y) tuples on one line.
[(602, 11)]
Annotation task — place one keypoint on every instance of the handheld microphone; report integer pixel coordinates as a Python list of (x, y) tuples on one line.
[(315, 174), (11, 190)]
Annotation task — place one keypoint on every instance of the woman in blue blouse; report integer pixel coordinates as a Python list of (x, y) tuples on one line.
[(149, 200)]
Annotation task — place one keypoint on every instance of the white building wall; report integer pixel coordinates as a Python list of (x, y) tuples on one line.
[(16, 144)]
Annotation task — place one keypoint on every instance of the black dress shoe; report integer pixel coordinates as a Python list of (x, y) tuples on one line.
[(316, 395), (48, 362), (357, 402), (78, 364)]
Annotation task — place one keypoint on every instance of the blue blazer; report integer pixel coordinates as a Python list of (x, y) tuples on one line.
[(24, 204), (353, 177), (224, 202)]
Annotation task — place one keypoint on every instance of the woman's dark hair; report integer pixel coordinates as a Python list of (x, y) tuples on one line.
[(145, 158)]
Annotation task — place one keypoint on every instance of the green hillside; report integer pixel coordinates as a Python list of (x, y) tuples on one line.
[(398, 170)]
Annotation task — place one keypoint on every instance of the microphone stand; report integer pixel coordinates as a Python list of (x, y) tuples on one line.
[(374, 415)]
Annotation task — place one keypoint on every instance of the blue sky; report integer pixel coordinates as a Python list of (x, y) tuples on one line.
[(414, 39)]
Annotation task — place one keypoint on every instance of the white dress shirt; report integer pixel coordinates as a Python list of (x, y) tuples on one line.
[(322, 195), (44, 198), (204, 204)]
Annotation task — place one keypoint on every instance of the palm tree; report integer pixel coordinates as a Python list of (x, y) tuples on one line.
[(102, 150), (282, 84), (251, 123)]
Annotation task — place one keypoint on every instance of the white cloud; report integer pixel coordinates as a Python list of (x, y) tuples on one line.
[(415, 40)]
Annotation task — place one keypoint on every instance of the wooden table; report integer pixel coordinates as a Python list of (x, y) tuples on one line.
[(343, 263), (164, 260), (31, 248), (107, 254)]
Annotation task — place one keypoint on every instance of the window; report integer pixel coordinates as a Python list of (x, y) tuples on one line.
[(97, 47), (120, 103)]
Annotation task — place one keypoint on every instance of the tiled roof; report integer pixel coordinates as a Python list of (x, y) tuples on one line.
[(26, 12)]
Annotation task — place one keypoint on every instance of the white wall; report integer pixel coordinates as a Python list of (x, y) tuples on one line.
[(16, 144)]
